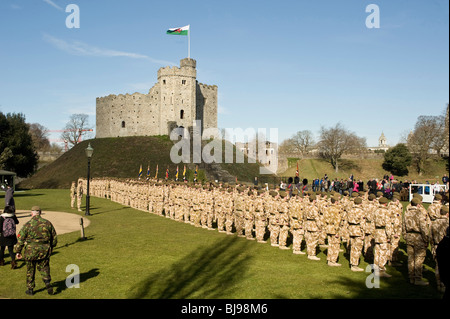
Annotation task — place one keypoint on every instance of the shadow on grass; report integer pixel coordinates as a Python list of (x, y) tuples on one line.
[(79, 240), (61, 285), (207, 272)]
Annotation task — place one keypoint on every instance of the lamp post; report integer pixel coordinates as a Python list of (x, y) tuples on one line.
[(89, 150)]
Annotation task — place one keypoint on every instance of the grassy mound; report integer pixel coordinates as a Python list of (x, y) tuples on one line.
[(121, 157)]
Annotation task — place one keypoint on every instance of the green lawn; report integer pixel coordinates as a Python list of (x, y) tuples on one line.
[(134, 254)]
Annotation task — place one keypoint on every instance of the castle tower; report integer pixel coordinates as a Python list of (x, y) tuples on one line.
[(176, 100), (382, 141), (178, 96)]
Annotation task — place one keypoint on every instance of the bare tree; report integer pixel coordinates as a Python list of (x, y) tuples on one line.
[(287, 147), (337, 141), (77, 128), (39, 135), (302, 141), (427, 136)]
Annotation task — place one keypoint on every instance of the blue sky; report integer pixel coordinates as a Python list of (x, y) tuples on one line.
[(291, 65)]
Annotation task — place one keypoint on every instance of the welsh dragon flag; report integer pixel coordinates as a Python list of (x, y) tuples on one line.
[(179, 31)]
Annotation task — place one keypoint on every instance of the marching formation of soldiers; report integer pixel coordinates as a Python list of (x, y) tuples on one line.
[(368, 225)]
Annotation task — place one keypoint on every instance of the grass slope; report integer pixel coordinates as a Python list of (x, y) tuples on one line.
[(135, 254), (361, 169), (122, 157)]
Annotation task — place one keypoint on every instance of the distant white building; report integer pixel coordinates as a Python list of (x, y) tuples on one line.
[(382, 144)]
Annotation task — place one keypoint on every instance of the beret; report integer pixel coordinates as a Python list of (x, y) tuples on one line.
[(415, 201), (383, 200), (358, 201)]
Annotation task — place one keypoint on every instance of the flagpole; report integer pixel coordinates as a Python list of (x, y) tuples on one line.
[(189, 42)]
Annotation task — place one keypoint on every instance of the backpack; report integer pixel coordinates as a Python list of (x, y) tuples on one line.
[(9, 227)]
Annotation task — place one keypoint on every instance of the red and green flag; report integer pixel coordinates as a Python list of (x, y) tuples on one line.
[(179, 31)]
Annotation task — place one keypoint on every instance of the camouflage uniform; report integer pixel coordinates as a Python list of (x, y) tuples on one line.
[(369, 230), (249, 216), (312, 227), (355, 218), (37, 238), (332, 220), (260, 218), (283, 210), (209, 206), (396, 211), (79, 194), (229, 216), (239, 208), (274, 220), (296, 222), (220, 210), (438, 230), (416, 232), (73, 195), (383, 231)]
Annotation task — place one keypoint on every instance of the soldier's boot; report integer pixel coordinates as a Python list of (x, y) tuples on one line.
[(313, 258), (13, 264), (384, 274), (298, 252), (421, 282), (333, 264), (284, 247), (49, 287), (356, 268), (29, 292), (2, 262)]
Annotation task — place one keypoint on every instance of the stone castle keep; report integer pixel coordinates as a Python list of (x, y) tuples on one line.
[(176, 100)]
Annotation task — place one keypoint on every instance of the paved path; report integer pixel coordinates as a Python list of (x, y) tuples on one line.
[(63, 222)]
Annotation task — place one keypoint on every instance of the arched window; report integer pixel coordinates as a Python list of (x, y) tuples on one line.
[(123, 124), (182, 114)]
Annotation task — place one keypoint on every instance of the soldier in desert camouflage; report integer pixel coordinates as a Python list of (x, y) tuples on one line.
[(332, 220), (260, 217), (73, 194), (312, 227), (296, 222), (438, 230), (382, 235), (395, 209), (416, 232), (356, 225), (79, 194), (284, 219)]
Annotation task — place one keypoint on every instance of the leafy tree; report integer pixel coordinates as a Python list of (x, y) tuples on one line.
[(17, 152), (397, 159)]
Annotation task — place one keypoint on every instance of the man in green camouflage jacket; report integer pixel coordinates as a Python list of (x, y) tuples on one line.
[(37, 238)]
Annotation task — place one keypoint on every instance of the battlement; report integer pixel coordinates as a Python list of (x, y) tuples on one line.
[(187, 62), (207, 86)]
